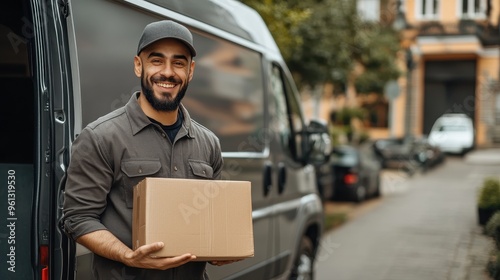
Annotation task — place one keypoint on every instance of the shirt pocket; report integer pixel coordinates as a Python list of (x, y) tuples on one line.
[(201, 169), (134, 171)]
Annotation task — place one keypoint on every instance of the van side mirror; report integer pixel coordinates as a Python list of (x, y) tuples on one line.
[(319, 144)]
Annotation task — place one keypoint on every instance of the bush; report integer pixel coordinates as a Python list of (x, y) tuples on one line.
[(493, 265), (492, 228), (489, 194)]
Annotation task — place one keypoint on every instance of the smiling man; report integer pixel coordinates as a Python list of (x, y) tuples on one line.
[(151, 136)]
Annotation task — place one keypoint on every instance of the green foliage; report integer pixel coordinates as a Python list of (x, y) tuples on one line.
[(333, 220), (494, 265), (378, 59), (343, 124), (283, 21), (323, 40), (489, 193), (492, 228), (346, 114), (489, 197)]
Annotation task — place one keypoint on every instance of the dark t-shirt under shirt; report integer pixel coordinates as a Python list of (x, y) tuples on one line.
[(171, 130)]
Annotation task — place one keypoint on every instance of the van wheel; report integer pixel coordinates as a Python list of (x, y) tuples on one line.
[(303, 265)]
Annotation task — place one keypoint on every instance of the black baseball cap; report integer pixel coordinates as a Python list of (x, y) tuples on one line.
[(165, 29)]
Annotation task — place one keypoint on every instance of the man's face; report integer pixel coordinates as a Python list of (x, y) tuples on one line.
[(165, 69)]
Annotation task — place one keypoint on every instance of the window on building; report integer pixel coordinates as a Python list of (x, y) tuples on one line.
[(427, 9), (472, 8)]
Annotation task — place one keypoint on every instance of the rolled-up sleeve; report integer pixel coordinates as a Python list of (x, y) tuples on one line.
[(88, 182)]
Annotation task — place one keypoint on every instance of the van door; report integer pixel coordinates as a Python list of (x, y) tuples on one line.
[(17, 144), (298, 214), (227, 96), (33, 113)]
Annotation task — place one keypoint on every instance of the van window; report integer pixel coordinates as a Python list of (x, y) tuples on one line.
[(453, 128), (279, 109), (227, 93), (206, 11), (289, 120)]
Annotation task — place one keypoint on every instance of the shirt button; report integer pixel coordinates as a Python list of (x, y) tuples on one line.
[(204, 172), (175, 168), (163, 134), (140, 170)]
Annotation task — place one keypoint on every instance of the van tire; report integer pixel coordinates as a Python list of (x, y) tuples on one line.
[(303, 266)]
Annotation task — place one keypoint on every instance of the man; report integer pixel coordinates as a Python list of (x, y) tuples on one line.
[(151, 136)]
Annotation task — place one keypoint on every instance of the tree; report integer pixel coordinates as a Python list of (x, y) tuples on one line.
[(326, 41), (283, 21)]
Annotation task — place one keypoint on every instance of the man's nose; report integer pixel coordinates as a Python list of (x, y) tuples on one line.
[(168, 70)]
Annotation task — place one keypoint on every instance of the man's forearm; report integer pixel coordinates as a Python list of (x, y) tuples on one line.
[(105, 244)]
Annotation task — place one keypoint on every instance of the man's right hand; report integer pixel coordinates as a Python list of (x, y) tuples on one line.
[(142, 257), (105, 244)]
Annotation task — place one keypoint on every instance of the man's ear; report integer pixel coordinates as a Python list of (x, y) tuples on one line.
[(137, 66), (191, 70)]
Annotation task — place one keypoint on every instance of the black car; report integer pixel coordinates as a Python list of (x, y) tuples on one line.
[(409, 154), (356, 171)]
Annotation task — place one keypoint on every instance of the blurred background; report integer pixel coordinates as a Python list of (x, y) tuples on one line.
[(387, 68)]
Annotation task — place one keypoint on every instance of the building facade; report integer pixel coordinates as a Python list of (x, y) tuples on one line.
[(450, 61), (452, 64)]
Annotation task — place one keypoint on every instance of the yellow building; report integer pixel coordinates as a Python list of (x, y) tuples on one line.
[(455, 49), (454, 46)]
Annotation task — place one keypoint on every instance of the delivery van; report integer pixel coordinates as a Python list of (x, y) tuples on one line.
[(65, 63)]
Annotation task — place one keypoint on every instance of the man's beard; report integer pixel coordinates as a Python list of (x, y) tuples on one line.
[(166, 104)]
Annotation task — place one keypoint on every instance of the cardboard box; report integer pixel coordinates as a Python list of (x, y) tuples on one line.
[(207, 218)]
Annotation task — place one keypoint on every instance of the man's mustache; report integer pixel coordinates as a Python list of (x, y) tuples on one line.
[(160, 79)]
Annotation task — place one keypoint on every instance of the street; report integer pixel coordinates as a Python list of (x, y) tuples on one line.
[(423, 227)]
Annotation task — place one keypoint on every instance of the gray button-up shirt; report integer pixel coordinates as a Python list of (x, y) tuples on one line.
[(110, 156)]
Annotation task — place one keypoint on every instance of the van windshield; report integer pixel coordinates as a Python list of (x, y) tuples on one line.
[(453, 128)]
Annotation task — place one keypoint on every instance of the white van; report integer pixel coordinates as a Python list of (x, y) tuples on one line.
[(65, 63), (453, 133)]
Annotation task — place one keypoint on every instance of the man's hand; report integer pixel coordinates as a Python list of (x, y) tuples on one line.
[(105, 244), (142, 258), (219, 263)]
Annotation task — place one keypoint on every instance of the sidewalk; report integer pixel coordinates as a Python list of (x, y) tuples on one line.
[(473, 253), (478, 254), (481, 245), (487, 156)]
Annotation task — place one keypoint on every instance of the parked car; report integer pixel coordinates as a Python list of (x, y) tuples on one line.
[(393, 152), (426, 154), (356, 171), (453, 133), (409, 154)]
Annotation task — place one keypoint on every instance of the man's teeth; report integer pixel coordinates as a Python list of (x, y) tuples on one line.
[(166, 85)]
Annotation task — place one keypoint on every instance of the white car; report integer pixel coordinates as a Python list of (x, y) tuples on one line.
[(453, 133)]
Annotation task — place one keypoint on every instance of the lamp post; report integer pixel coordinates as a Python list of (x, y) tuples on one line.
[(399, 25), (410, 64)]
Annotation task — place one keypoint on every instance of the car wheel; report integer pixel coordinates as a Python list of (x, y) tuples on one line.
[(303, 265), (360, 194), (377, 188)]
